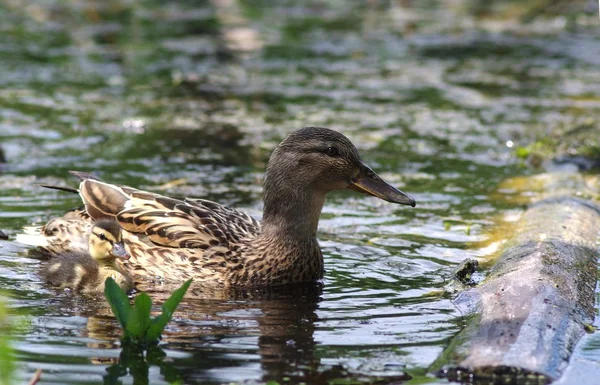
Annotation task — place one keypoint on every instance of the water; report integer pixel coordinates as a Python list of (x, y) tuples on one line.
[(189, 98)]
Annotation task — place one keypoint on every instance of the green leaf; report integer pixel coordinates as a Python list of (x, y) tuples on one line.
[(139, 321), (159, 323), (119, 303), (7, 361)]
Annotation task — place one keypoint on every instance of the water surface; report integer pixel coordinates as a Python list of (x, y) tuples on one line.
[(189, 98)]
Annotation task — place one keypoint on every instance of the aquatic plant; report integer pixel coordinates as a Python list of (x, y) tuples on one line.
[(7, 357), (139, 328)]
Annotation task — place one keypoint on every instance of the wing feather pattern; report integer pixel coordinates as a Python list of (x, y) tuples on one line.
[(184, 224), (102, 200)]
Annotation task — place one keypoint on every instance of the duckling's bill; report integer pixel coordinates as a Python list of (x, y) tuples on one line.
[(368, 182), (118, 250)]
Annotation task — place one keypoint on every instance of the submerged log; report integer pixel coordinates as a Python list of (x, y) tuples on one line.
[(535, 304)]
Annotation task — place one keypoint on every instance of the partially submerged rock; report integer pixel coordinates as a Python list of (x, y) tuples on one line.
[(462, 276)]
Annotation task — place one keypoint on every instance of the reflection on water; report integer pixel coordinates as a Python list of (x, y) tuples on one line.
[(280, 322), (189, 98)]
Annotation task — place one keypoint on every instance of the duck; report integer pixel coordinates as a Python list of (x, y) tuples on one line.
[(65, 234), (175, 239), (87, 271)]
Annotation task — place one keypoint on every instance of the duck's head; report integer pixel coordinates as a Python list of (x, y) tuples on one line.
[(105, 241), (321, 160)]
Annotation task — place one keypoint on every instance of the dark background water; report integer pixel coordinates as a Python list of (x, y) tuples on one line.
[(189, 98)]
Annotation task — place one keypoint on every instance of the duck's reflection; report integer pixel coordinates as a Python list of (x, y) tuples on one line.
[(264, 335)]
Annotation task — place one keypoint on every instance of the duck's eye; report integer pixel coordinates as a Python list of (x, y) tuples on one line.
[(332, 151), (102, 237)]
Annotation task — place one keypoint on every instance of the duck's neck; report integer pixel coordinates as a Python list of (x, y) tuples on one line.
[(287, 245), (291, 212)]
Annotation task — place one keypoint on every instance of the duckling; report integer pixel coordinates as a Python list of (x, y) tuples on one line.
[(68, 233), (87, 271), (172, 239)]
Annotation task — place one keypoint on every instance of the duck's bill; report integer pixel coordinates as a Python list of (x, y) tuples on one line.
[(367, 182), (118, 250)]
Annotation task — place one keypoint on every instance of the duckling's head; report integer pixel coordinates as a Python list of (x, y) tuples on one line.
[(322, 160), (105, 241)]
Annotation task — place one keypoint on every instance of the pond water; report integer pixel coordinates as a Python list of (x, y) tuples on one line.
[(189, 98)]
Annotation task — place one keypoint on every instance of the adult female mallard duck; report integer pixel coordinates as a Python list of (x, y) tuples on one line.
[(176, 239), (87, 271)]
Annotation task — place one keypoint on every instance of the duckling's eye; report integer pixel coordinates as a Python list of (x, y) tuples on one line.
[(332, 151), (102, 237)]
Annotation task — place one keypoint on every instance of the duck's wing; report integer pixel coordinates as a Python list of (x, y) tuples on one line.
[(179, 223)]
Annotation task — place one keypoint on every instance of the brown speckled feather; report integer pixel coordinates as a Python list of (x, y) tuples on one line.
[(68, 233), (172, 239), (188, 224)]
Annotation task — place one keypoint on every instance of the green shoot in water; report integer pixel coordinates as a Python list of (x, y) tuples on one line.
[(7, 355), (139, 328)]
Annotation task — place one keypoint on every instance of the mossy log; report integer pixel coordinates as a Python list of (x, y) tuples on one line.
[(535, 304)]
